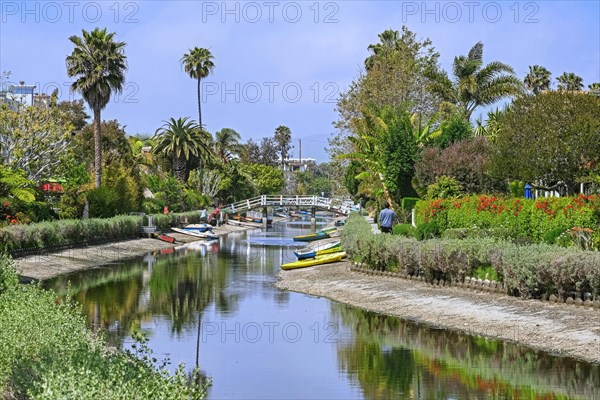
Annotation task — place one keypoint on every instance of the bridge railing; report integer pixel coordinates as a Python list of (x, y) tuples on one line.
[(285, 201)]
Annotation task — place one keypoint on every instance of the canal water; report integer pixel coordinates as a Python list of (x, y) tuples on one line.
[(216, 305)]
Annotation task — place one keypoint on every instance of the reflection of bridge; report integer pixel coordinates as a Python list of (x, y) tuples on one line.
[(334, 205)]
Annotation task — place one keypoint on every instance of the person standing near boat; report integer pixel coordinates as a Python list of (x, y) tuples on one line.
[(387, 217)]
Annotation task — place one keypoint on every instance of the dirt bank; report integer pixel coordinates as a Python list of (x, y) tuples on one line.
[(46, 266), (560, 329)]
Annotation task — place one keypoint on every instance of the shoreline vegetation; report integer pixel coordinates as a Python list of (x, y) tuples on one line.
[(46, 348)]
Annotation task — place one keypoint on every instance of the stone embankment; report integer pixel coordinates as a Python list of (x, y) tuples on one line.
[(558, 328), (47, 266)]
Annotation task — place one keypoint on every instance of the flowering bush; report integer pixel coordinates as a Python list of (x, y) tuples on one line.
[(520, 217)]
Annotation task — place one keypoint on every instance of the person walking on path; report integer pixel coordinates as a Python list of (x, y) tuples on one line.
[(387, 217)]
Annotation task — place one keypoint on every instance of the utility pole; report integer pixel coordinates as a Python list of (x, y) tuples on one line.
[(300, 151)]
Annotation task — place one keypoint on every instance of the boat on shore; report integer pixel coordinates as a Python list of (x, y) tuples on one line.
[(201, 235), (319, 250), (198, 227), (318, 260)]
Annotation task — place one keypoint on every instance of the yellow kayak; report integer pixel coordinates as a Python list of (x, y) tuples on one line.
[(309, 262)]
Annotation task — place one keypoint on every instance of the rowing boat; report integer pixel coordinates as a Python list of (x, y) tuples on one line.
[(319, 250), (202, 235), (318, 260), (323, 234), (198, 227)]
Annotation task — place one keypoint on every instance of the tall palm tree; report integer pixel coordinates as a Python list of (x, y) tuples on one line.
[(569, 81), (474, 84), (198, 64), (538, 79), (594, 87), (227, 144), (99, 63), (179, 140)]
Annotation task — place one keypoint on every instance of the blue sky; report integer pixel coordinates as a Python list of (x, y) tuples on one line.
[(277, 62)]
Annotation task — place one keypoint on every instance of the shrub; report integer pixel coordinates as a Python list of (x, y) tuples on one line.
[(103, 202), (408, 203), (404, 229), (8, 275), (526, 271), (443, 187), (427, 230)]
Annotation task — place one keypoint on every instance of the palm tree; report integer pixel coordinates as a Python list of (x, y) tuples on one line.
[(594, 87), (570, 82), (179, 140), (99, 63), (198, 64), (389, 40), (283, 137), (538, 79), (474, 84), (227, 144), (424, 134)]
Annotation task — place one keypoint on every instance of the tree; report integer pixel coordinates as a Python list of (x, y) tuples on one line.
[(114, 144), (198, 64), (99, 63), (549, 138), (264, 153), (538, 79), (283, 138), (594, 87), (474, 84), (266, 179), (76, 111), (34, 140), (570, 82), (179, 139), (227, 144)]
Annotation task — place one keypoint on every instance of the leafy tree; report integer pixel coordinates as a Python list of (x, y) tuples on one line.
[(474, 84), (468, 161), (283, 138), (309, 183), (236, 183), (76, 113), (198, 64), (538, 79), (178, 140), (14, 184), (99, 63), (549, 138), (227, 144), (570, 82), (394, 76), (452, 130), (264, 153), (34, 140), (114, 144), (266, 179), (385, 149)]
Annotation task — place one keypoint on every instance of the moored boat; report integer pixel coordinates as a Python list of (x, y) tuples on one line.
[(202, 235), (323, 234), (198, 227), (321, 249), (318, 260)]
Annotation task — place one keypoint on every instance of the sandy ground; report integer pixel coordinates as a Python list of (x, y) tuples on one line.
[(46, 266), (559, 329)]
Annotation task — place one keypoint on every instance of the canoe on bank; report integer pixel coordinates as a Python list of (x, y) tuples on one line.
[(323, 234), (198, 227), (318, 260), (202, 235), (321, 249)]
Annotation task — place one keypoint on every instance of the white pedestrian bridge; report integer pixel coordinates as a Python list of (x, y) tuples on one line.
[(334, 204)]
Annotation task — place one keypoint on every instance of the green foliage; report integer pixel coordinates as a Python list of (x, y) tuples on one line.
[(444, 186), (453, 129), (170, 192), (266, 179), (13, 183), (404, 229), (72, 232), (9, 279), (103, 202), (514, 218), (551, 137), (408, 203), (517, 188), (427, 230), (46, 351), (526, 271)]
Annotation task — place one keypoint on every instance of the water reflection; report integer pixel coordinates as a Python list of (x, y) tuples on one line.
[(393, 359), (229, 282)]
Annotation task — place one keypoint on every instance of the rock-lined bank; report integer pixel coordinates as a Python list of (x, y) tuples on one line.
[(47, 266), (559, 329)]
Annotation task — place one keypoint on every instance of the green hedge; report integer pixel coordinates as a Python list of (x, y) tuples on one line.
[(46, 352), (408, 203), (74, 231), (521, 217), (527, 271)]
